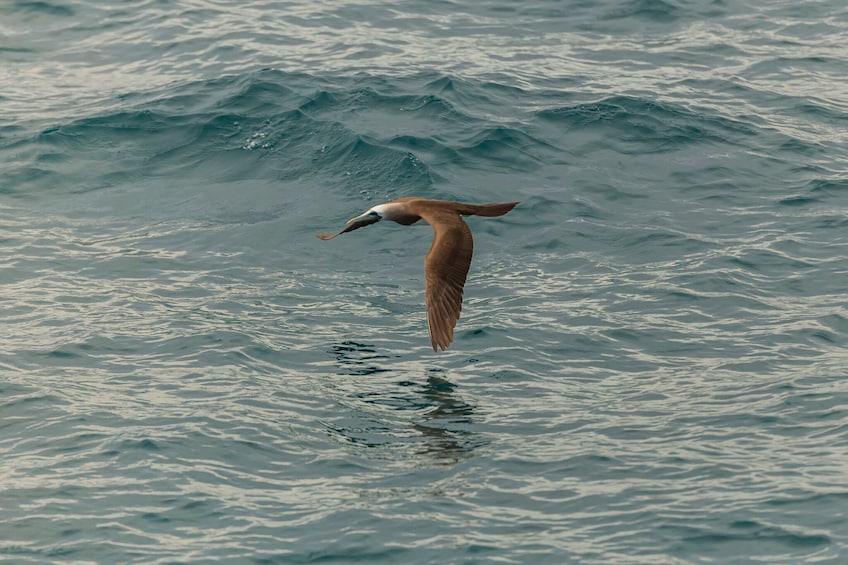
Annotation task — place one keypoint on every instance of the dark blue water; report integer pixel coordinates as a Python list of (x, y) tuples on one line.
[(651, 362)]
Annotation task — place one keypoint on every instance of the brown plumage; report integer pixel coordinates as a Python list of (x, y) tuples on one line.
[(446, 264)]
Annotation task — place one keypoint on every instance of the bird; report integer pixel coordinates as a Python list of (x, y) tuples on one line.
[(446, 264)]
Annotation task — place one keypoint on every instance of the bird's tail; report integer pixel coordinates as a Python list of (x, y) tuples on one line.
[(490, 210)]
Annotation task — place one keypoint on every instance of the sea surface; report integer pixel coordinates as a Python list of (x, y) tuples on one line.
[(652, 361)]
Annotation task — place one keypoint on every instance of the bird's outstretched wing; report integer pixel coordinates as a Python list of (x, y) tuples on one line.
[(445, 270)]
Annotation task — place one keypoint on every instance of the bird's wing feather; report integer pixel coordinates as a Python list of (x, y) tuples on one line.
[(445, 270)]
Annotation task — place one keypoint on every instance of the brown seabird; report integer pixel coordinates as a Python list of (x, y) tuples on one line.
[(447, 262)]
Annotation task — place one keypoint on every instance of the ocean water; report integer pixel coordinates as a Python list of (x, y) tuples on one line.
[(652, 361)]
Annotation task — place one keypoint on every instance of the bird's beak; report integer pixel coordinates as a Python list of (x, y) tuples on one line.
[(355, 223)]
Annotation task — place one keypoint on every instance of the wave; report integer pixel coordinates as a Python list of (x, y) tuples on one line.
[(411, 133)]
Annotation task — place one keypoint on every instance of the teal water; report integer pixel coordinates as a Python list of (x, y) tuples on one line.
[(651, 362)]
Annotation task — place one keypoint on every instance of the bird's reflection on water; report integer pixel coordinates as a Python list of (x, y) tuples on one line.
[(356, 358), (443, 425), (432, 409)]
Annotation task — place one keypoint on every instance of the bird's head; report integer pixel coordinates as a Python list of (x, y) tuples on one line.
[(370, 217)]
